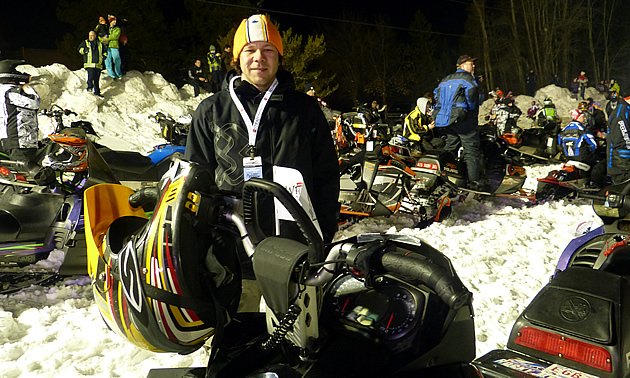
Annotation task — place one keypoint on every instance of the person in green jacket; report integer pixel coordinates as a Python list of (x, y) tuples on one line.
[(113, 62), (93, 51), (215, 66)]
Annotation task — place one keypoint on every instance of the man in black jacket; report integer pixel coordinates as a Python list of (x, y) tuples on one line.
[(618, 139), (261, 121), (198, 77)]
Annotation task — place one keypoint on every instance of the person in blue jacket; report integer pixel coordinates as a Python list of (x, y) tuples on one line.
[(457, 109), (576, 142)]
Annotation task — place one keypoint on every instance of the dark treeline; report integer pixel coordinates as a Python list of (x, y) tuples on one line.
[(360, 58)]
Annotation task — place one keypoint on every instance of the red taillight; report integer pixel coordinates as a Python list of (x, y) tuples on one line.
[(4, 171), (565, 347), (20, 178)]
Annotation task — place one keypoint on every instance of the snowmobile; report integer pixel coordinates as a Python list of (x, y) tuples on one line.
[(175, 131), (441, 177), (576, 325), (41, 204), (361, 130), (374, 182), (41, 209), (535, 145), (570, 181), (373, 305)]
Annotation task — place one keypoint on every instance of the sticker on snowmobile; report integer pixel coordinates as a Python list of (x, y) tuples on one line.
[(584, 228), (556, 370), (521, 365), (291, 179)]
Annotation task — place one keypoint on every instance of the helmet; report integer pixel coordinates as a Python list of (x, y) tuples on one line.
[(576, 113), (71, 156), (614, 95), (547, 101), (398, 140), (8, 73), (164, 283), (583, 106)]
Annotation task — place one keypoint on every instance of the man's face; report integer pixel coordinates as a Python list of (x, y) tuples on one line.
[(259, 63), (468, 66), (198, 63), (311, 92), (581, 118), (92, 36)]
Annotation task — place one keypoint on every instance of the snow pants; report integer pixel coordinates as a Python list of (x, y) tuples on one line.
[(113, 63), (93, 77), (465, 134)]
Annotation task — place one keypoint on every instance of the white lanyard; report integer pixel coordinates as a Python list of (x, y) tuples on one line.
[(252, 127)]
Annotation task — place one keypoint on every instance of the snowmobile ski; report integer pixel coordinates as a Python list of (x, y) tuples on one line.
[(11, 282)]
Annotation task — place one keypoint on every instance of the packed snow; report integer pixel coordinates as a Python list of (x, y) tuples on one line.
[(503, 249)]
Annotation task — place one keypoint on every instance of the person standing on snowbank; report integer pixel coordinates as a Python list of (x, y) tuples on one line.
[(215, 67), (582, 82), (457, 109), (18, 113), (93, 52), (113, 62)]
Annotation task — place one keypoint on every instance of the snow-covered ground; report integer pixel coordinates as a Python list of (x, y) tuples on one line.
[(504, 250)]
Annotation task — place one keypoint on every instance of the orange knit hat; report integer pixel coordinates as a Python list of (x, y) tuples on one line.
[(256, 28)]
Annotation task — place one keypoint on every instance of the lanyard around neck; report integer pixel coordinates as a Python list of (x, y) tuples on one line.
[(252, 127)]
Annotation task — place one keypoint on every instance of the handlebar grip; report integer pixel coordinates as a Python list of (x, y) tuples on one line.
[(447, 287)]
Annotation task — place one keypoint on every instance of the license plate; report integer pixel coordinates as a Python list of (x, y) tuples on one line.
[(555, 370)]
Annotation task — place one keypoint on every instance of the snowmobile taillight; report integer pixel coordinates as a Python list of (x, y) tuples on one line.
[(20, 178), (4, 171), (565, 347), (431, 166)]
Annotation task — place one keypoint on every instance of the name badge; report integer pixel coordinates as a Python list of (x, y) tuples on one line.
[(252, 167)]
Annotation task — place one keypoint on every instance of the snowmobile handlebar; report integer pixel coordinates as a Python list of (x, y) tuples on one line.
[(378, 257), (450, 290), (303, 221), (57, 111)]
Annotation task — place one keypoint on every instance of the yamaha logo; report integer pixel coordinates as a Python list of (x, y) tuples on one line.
[(575, 309)]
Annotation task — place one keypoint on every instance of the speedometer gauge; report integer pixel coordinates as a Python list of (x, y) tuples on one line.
[(401, 312), (388, 310)]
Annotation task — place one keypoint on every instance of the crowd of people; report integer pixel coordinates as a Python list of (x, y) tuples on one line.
[(104, 49)]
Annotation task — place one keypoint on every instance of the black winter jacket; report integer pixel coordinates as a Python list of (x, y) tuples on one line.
[(618, 140), (293, 133)]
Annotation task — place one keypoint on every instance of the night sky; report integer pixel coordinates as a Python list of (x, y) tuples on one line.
[(34, 24)]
